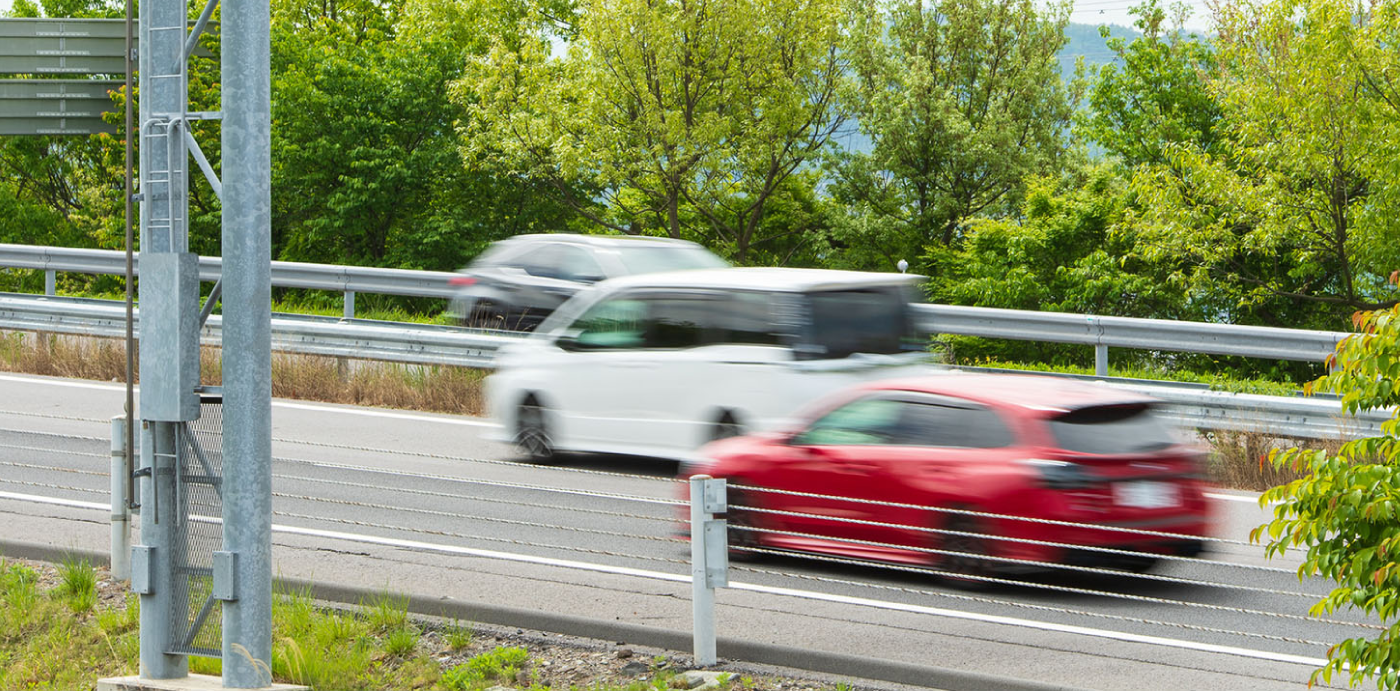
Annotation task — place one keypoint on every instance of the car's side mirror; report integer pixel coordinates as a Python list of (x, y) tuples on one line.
[(567, 342)]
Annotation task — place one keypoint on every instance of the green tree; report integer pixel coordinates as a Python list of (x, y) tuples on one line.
[(962, 100), (1345, 512), (1289, 219), (684, 118), (1158, 96), (365, 164), (1066, 251)]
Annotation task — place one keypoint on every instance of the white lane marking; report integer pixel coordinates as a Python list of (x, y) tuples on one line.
[(803, 594), (468, 421), (62, 382), (72, 503), (1244, 498)]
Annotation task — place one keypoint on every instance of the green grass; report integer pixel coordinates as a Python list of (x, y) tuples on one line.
[(78, 586), (501, 664), (457, 636), (1216, 382)]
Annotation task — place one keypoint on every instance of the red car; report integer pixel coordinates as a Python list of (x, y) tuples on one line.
[(989, 447)]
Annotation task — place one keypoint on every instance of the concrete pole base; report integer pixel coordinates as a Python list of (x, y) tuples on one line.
[(193, 682)]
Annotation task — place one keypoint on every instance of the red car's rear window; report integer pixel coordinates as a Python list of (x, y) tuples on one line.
[(1114, 429)]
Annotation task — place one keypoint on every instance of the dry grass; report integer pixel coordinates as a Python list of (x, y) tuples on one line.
[(1240, 460), (332, 380)]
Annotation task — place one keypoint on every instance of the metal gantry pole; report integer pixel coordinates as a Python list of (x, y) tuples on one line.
[(247, 351), (169, 347)]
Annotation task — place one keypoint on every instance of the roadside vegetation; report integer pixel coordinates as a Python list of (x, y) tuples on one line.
[(65, 626)]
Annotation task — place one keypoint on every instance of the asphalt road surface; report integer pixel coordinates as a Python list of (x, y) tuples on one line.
[(422, 504)]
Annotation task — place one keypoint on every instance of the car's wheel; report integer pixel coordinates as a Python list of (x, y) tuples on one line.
[(739, 518), (531, 432), (967, 544), (725, 428)]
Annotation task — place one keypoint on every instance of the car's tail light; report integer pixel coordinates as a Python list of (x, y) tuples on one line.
[(1061, 474), (461, 281)]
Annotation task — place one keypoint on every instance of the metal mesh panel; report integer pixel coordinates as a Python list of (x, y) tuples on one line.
[(195, 614)]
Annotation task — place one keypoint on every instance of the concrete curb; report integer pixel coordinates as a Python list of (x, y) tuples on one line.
[(729, 648)]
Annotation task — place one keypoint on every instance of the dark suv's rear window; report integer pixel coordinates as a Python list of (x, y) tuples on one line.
[(1114, 429), (855, 321)]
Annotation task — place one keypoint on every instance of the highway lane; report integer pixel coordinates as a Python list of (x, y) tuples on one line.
[(384, 479)]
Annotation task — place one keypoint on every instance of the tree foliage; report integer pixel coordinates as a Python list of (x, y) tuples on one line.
[(365, 166), (1286, 221), (685, 118), (962, 101), (1157, 95), (1345, 512)]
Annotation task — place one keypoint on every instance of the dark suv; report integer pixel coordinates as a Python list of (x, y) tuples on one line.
[(519, 281)]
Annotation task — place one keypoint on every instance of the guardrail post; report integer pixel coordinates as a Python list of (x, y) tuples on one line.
[(349, 304), (1101, 360), (50, 282), (121, 506), (709, 561)]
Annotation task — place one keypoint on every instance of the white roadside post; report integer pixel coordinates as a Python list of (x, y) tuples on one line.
[(709, 560), (121, 506)]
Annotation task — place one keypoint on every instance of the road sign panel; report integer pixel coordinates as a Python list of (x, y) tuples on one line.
[(55, 106), (74, 28), (66, 46), (54, 126), (58, 88)]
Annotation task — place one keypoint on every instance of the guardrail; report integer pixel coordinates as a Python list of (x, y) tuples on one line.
[(344, 279), (1055, 327), (1189, 405), (305, 335)]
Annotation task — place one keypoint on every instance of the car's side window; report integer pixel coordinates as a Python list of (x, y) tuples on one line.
[(611, 324), (868, 421), (748, 319), (575, 264), (674, 323), (544, 262), (950, 424)]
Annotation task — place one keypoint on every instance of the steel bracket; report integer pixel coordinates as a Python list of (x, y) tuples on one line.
[(225, 576), (143, 567), (717, 553)]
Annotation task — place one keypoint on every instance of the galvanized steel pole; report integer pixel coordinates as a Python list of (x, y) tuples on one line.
[(247, 348)]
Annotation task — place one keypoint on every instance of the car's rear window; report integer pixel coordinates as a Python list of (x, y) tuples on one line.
[(1115, 429), (844, 322), (653, 258)]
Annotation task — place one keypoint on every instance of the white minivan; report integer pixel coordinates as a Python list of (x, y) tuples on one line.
[(660, 364)]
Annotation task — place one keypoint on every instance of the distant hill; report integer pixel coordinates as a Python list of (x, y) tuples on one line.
[(1085, 41)]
